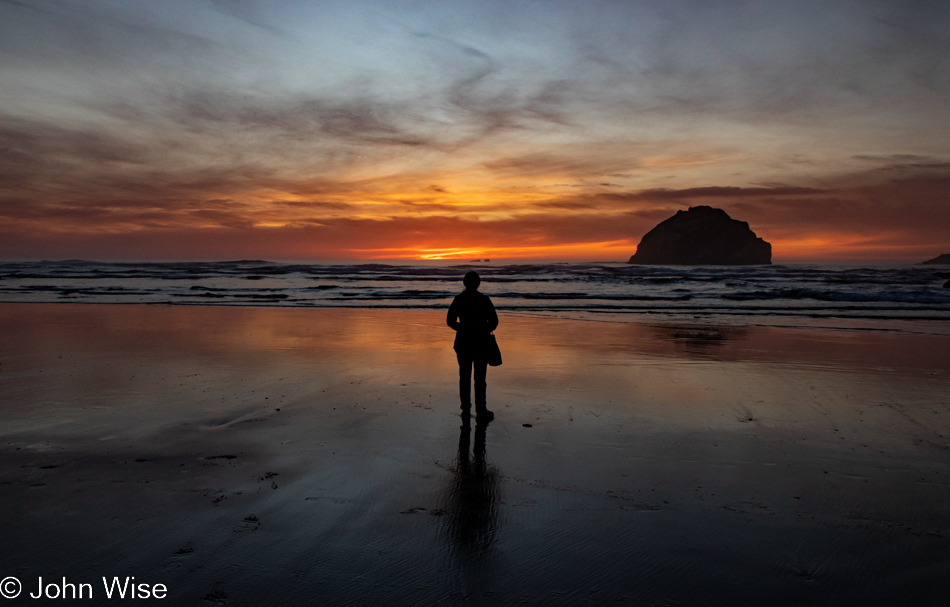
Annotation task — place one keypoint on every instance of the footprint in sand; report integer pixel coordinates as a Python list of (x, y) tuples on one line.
[(177, 560), (216, 597), (250, 523)]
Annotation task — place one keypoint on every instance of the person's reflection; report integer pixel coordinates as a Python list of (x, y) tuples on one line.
[(471, 498)]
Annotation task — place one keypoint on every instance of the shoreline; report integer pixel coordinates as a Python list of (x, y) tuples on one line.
[(657, 317), (241, 455)]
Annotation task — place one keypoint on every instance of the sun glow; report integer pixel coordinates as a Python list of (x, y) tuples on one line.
[(609, 250)]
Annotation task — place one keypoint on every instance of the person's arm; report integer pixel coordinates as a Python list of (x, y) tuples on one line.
[(492, 315), (452, 319)]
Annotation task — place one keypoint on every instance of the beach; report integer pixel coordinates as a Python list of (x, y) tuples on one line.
[(256, 455)]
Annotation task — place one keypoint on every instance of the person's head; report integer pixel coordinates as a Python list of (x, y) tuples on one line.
[(471, 280)]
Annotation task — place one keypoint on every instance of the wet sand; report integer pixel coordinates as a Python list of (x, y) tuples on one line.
[(250, 456)]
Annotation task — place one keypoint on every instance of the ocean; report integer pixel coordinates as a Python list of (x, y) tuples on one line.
[(891, 297)]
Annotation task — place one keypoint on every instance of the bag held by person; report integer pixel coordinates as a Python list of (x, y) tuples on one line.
[(492, 353)]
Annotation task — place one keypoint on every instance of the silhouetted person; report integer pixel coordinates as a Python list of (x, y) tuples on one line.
[(473, 317)]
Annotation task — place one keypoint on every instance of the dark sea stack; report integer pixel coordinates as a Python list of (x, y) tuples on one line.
[(702, 236), (939, 259)]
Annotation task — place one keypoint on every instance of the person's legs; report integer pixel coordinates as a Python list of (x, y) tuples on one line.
[(481, 385), (481, 388), (465, 381)]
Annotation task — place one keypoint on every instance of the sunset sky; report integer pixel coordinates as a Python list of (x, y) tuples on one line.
[(306, 130)]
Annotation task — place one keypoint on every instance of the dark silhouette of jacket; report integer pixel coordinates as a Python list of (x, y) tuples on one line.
[(473, 317)]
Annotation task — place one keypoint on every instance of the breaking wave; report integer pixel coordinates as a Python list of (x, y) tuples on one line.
[(907, 292)]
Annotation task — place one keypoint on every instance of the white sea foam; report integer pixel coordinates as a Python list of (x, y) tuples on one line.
[(783, 294)]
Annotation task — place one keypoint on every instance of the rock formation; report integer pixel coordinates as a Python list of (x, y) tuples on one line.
[(702, 236), (939, 259)]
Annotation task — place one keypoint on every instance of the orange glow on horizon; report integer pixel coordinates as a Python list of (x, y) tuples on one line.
[(453, 215), (569, 251), (847, 246)]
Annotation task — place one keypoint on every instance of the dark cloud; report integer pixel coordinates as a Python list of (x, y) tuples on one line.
[(360, 120), (915, 166), (720, 192), (223, 218), (912, 212), (25, 140), (567, 205), (896, 166), (313, 204), (895, 158)]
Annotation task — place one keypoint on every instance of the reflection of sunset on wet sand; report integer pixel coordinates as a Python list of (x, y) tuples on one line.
[(319, 452)]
